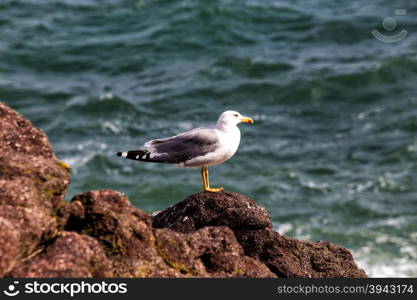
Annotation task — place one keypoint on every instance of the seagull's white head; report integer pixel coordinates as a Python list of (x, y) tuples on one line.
[(232, 118)]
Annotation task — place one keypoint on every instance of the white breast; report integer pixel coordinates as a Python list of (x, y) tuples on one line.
[(230, 140)]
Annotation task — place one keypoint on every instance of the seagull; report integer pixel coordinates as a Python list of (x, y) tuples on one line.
[(196, 148)]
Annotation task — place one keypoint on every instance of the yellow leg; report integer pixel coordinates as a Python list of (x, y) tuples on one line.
[(203, 177), (206, 181)]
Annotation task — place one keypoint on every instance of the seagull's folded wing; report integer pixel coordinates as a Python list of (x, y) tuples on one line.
[(185, 146)]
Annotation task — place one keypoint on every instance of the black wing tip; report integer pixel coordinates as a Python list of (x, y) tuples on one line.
[(119, 153)]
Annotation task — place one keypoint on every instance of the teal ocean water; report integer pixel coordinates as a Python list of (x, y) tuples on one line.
[(332, 153)]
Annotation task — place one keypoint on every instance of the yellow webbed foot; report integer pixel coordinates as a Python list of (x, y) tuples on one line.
[(214, 190)]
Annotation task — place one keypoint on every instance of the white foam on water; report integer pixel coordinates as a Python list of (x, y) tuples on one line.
[(397, 268), (86, 152), (403, 266), (114, 126), (372, 258), (292, 231)]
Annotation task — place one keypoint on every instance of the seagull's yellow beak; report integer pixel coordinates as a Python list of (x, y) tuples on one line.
[(246, 120)]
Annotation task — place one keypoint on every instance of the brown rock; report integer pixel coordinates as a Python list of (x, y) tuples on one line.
[(208, 252), (9, 246), (108, 216), (214, 209), (31, 224), (136, 250), (25, 152), (70, 255), (124, 231), (32, 183), (289, 257), (18, 135), (284, 256)]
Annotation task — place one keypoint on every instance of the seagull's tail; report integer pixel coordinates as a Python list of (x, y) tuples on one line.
[(141, 155)]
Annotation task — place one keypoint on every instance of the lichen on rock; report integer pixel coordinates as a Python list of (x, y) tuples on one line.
[(252, 227), (32, 183)]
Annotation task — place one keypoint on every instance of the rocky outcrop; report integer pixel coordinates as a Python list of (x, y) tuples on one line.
[(137, 250), (229, 209), (208, 252), (252, 227), (100, 234), (32, 184)]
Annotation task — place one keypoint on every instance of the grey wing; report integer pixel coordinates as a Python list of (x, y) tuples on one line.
[(183, 147)]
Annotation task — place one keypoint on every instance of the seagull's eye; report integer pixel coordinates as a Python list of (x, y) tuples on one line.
[(236, 115)]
